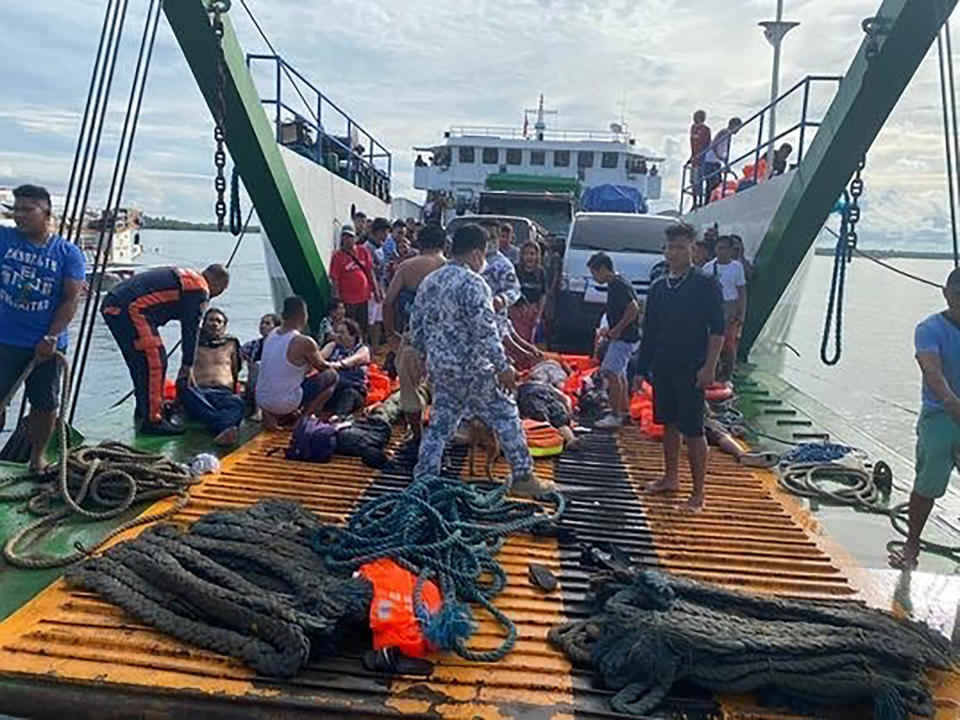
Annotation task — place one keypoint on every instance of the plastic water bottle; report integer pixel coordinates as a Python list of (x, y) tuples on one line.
[(204, 463)]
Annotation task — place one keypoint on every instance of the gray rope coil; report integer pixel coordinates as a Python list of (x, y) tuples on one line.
[(244, 584), (648, 631), (94, 483)]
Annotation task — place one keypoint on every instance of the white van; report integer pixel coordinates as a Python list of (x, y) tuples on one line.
[(634, 243)]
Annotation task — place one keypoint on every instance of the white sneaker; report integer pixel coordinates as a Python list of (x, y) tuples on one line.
[(610, 421)]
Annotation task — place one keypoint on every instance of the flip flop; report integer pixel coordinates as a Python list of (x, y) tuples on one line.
[(393, 662), (760, 460), (898, 560), (541, 577)]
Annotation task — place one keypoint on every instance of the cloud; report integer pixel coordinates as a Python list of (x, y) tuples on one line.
[(409, 70)]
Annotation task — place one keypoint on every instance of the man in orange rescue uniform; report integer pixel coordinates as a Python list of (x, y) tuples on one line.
[(136, 308)]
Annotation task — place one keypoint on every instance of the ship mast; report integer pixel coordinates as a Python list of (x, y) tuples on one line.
[(774, 31)]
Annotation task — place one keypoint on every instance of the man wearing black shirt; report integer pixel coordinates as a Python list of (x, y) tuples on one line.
[(683, 328), (623, 333)]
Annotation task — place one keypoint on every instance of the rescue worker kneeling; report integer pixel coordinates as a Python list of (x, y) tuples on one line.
[(452, 324), (134, 311)]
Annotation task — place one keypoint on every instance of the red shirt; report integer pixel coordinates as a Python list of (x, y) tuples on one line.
[(699, 141), (350, 277)]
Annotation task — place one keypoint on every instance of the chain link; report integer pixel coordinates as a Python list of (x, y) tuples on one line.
[(853, 209), (220, 112)]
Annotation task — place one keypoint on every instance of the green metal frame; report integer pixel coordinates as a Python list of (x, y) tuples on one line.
[(252, 143), (866, 96)]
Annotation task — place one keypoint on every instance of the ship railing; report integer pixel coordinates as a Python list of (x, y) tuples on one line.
[(812, 106), (512, 133), (309, 123)]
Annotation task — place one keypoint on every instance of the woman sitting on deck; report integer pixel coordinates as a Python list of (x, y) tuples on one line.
[(350, 359)]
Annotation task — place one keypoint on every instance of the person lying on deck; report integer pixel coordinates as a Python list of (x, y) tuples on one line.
[(284, 391), (543, 402), (212, 398)]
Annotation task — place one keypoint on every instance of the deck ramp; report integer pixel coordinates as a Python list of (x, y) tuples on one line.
[(68, 652)]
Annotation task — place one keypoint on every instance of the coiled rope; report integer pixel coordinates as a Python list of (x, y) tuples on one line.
[(447, 531), (649, 631), (245, 584), (93, 483)]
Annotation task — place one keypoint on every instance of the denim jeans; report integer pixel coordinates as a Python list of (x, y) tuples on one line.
[(217, 408)]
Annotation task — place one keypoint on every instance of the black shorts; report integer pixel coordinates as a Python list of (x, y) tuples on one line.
[(43, 384), (677, 401)]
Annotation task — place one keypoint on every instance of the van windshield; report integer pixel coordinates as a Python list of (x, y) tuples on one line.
[(521, 230), (619, 234)]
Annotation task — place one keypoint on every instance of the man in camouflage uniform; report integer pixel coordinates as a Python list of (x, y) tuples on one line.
[(452, 324), (501, 276)]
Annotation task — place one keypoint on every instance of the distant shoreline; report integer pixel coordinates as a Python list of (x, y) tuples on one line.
[(895, 254), (164, 223)]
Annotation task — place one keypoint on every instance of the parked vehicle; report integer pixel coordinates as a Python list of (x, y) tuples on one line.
[(634, 243)]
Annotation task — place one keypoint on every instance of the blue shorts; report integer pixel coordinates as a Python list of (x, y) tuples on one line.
[(617, 357)]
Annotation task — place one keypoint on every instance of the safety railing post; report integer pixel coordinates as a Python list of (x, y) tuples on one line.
[(756, 159), (803, 118), (683, 189), (279, 103)]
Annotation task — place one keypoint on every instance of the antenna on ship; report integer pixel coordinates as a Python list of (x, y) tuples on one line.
[(774, 31), (540, 126)]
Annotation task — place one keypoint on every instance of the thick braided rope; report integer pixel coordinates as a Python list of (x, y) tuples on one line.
[(650, 630)]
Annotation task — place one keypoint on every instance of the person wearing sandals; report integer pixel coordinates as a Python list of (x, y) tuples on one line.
[(937, 344)]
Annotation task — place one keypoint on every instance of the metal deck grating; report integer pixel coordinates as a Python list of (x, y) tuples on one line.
[(70, 653)]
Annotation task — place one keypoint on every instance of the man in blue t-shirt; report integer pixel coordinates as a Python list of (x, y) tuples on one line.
[(41, 278), (937, 343)]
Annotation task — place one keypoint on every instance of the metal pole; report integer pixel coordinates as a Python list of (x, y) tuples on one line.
[(774, 90), (803, 119), (953, 115), (946, 140)]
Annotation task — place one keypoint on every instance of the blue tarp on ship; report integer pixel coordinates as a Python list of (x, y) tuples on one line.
[(613, 198)]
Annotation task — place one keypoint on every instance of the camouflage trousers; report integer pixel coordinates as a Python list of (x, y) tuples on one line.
[(456, 398)]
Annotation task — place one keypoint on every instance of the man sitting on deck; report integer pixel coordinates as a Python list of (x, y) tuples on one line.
[(284, 392), (452, 324), (937, 341), (135, 310), (683, 328), (213, 400)]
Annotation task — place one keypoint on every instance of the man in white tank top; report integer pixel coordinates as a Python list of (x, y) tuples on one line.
[(284, 391)]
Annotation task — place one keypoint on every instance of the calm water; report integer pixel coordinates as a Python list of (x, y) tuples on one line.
[(876, 384)]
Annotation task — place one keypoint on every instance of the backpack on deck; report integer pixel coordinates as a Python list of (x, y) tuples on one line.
[(312, 441)]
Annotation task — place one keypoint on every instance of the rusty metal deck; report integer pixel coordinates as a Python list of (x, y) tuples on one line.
[(69, 653)]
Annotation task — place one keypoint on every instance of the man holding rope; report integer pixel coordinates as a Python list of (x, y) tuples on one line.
[(41, 278)]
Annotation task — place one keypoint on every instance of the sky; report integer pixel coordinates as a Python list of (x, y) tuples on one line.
[(407, 71)]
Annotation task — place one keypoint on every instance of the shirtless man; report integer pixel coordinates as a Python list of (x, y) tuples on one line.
[(284, 391), (212, 398), (396, 310)]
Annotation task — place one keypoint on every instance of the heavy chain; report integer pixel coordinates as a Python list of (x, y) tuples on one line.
[(853, 209), (217, 8)]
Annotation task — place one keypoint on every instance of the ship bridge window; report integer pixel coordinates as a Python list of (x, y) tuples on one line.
[(584, 159), (561, 158), (491, 156), (514, 156), (609, 160), (465, 155), (538, 157)]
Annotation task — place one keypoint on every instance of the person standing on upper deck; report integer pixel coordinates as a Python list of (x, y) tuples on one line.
[(683, 327), (452, 324), (937, 344), (41, 279), (699, 142), (718, 155)]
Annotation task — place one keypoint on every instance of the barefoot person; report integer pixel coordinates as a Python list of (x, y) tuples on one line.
[(937, 343), (284, 391), (41, 276), (212, 399), (682, 336)]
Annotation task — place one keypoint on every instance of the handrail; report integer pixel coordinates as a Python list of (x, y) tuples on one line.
[(762, 145), (370, 168)]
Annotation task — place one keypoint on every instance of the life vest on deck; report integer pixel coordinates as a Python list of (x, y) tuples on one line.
[(543, 440)]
